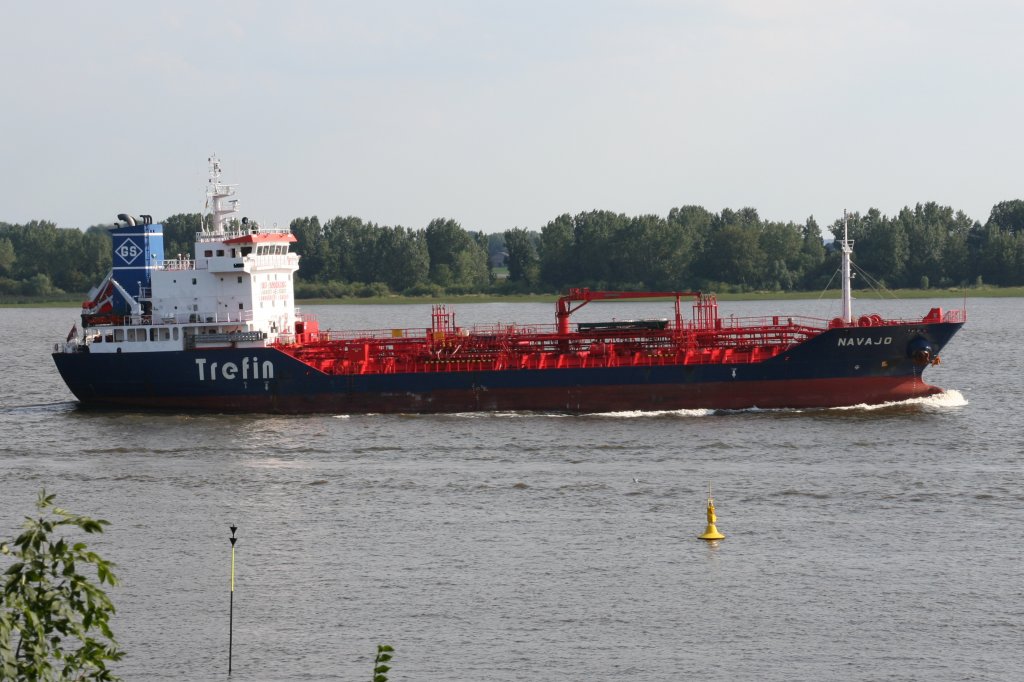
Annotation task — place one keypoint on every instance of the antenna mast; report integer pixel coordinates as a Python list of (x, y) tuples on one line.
[(218, 192), (847, 248)]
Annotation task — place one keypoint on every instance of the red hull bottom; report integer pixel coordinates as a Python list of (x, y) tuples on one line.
[(737, 395)]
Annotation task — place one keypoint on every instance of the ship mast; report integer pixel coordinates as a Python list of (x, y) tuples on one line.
[(218, 192), (847, 248)]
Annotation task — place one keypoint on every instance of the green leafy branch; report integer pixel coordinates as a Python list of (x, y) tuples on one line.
[(54, 620), (380, 667)]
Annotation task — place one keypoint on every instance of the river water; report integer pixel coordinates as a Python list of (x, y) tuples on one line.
[(862, 544)]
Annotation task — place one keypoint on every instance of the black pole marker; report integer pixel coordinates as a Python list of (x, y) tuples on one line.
[(231, 611)]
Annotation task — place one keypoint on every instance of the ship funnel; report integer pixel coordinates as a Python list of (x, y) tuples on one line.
[(138, 248), (132, 221)]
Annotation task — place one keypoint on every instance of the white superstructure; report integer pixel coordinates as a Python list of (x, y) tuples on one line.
[(236, 289)]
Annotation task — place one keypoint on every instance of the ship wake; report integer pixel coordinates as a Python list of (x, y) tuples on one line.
[(949, 398)]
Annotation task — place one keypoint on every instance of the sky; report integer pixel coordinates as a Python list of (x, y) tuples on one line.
[(508, 114)]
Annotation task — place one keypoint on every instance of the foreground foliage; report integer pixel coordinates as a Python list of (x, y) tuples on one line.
[(380, 667), (54, 619)]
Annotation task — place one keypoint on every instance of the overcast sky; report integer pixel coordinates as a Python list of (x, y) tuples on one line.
[(505, 114)]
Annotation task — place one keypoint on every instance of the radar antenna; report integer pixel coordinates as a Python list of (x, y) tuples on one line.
[(218, 192)]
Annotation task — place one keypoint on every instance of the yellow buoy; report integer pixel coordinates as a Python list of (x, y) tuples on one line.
[(711, 533)]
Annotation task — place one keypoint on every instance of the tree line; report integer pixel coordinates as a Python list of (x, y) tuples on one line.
[(691, 248)]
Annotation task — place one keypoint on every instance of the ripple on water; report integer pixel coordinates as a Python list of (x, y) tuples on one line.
[(519, 535)]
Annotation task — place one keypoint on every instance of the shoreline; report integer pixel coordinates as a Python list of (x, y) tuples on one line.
[(865, 295)]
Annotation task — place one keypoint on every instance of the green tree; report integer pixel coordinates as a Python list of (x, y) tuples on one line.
[(36, 250), (997, 248), (457, 258), (39, 284), (927, 227), (649, 252), (812, 254), (695, 222), (54, 619), (483, 242), (956, 255), (781, 244), (732, 253), (402, 260), (97, 255), (594, 236), (882, 246), (69, 251), (7, 256), (445, 240), (1008, 215), (469, 269), (349, 242), (691, 226), (999, 258), (311, 246), (557, 267), (734, 256), (495, 247), (180, 232), (522, 256)]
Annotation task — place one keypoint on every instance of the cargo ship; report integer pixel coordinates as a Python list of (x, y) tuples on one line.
[(217, 330)]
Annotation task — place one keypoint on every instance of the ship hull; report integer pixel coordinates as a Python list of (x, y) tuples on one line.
[(846, 366)]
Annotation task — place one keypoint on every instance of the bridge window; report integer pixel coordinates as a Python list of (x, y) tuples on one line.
[(208, 253), (220, 252)]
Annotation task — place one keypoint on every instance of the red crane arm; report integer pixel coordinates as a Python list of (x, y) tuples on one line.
[(564, 307)]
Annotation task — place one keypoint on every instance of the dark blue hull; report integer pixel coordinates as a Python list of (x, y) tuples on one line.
[(843, 366)]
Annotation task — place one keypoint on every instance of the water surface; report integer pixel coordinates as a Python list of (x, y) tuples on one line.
[(879, 543)]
